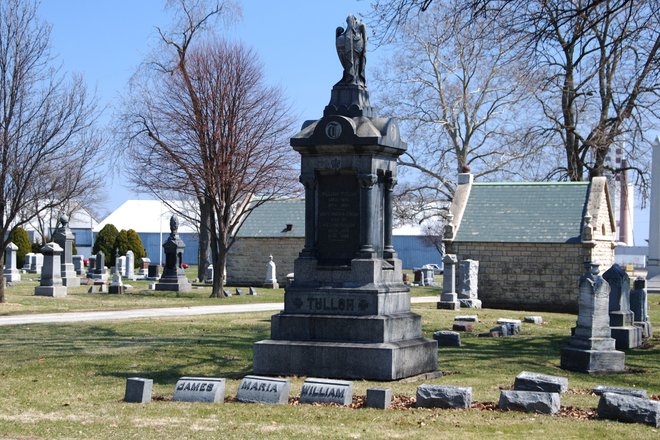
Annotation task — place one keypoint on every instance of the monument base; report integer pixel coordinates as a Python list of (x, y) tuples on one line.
[(12, 275), (653, 280), (470, 303), (592, 361), (343, 360), (174, 284), (627, 337), (54, 291), (647, 328), (449, 305), (72, 281), (118, 289), (268, 285)]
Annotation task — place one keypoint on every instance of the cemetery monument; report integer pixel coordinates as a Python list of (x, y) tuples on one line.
[(65, 238), (11, 274), (174, 278), (653, 264), (51, 277), (347, 312)]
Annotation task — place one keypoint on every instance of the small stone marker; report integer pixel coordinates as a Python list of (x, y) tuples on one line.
[(253, 291), (239, 292), (443, 396), (447, 338), (138, 390), (629, 409), (509, 321), (261, 389), (634, 392), (527, 381), (226, 293), (498, 331), (462, 326), (467, 318), (200, 389), (533, 319), (326, 391), (529, 401), (380, 398)]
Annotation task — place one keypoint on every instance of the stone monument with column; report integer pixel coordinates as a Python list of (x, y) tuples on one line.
[(653, 263), (12, 275), (174, 277), (51, 275), (347, 312), (65, 238)]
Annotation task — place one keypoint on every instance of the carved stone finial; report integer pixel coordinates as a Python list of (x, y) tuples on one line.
[(64, 220), (587, 230), (174, 225)]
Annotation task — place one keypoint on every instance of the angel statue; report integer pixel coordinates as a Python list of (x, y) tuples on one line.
[(352, 50)]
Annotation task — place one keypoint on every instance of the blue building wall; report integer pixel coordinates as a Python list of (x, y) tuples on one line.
[(415, 251), (153, 244)]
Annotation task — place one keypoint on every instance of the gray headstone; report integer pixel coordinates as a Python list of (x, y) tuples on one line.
[(602, 389), (447, 338), (529, 401), (443, 396), (326, 391), (239, 292), (629, 409), (120, 265), (27, 262), (533, 319), (639, 301), (226, 293), (78, 264), (153, 272), (468, 279), (619, 282), (11, 273), (129, 271), (138, 390), (467, 318), (51, 277), (252, 291), (527, 381), (200, 389), (500, 330), (263, 390), (379, 398)]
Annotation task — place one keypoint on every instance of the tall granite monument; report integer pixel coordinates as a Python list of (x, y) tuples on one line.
[(174, 277), (65, 238), (347, 312), (653, 262)]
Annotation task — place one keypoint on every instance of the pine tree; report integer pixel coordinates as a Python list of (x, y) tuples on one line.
[(105, 241), (20, 238), (135, 244)]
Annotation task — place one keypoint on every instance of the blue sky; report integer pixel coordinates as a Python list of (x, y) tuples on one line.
[(105, 41)]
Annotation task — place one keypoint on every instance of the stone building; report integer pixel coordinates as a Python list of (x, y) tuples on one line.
[(531, 239)]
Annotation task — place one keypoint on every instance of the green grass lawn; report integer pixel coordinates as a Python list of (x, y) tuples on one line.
[(20, 298), (67, 381)]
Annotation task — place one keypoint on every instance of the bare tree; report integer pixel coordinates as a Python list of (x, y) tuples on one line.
[(204, 123), (47, 137), (458, 88)]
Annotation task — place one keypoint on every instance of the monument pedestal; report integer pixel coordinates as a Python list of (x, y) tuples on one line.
[(623, 331), (592, 361), (470, 303), (69, 276)]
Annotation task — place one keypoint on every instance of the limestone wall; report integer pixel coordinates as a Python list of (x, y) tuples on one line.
[(248, 257), (531, 276)]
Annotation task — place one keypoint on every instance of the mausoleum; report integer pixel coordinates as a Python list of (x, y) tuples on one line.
[(531, 239)]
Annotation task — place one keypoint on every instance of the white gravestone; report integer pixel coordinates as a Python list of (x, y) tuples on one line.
[(200, 389), (129, 270), (263, 390), (271, 275), (12, 275)]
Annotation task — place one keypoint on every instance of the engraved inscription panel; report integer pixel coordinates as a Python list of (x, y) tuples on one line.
[(338, 218)]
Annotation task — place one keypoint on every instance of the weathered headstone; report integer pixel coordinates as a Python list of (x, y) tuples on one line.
[(443, 396), (51, 278), (347, 312), (65, 238), (11, 273), (174, 277), (528, 381), (36, 262), (467, 318), (100, 272), (379, 398), (91, 266), (252, 291), (238, 291), (591, 349), (461, 326), (138, 390), (634, 392), (226, 293), (200, 389), (143, 267), (534, 319), (529, 401), (129, 270), (261, 389), (621, 317), (271, 275), (326, 391), (153, 272), (208, 277), (117, 285), (447, 338), (630, 409), (78, 264), (640, 307), (28, 261), (468, 284), (120, 264), (449, 297)]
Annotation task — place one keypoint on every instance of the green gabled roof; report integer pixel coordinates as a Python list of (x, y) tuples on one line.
[(539, 212), (270, 219)]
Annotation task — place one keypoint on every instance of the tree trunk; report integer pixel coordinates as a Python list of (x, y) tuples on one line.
[(204, 249)]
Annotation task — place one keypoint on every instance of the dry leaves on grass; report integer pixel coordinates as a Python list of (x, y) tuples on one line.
[(577, 413)]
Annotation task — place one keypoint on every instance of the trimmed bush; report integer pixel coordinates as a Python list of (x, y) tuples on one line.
[(105, 241)]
